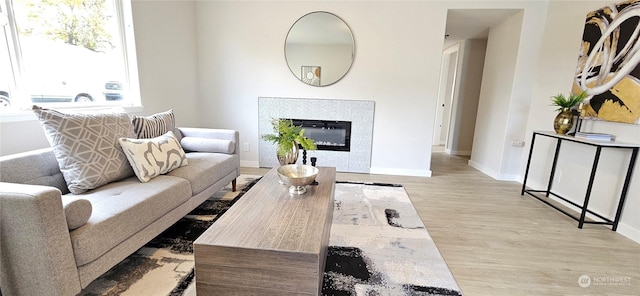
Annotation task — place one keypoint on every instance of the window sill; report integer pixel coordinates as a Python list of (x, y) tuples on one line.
[(28, 115)]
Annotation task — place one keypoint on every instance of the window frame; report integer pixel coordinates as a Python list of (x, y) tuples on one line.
[(20, 97)]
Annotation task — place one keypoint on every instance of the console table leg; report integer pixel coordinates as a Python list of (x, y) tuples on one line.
[(623, 195), (589, 187), (526, 172), (553, 166)]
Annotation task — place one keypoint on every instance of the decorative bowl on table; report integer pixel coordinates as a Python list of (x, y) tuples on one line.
[(297, 176)]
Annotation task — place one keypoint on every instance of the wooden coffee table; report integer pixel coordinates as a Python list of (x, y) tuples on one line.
[(268, 242)]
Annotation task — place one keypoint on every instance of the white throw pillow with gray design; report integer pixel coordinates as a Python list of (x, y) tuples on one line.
[(86, 146), (153, 157)]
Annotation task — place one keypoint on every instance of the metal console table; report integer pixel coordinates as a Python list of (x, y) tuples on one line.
[(584, 207)]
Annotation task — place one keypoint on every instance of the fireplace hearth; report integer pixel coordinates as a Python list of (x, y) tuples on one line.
[(328, 135)]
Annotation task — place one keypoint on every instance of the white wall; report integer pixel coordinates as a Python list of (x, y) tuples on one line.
[(16, 137), (166, 46), (496, 95), (554, 73), (397, 62), (396, 65), (465, 108), (236, 47)]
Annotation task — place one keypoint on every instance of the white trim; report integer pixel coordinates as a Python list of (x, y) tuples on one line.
[(482, 169), (509, 177), (17, 116), (129, 51), (249, 164), (400, 172), (28, 115), (457, 152), (629, 232), (451, 49), (493, 174)]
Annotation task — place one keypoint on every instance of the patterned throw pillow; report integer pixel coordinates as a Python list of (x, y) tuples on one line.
[(153, 157), (86, 146), (146, 127)]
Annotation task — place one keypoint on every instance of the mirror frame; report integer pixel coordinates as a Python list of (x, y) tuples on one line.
[(314, 70)]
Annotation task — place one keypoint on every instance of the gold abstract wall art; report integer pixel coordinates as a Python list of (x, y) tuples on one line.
[(608, 63)]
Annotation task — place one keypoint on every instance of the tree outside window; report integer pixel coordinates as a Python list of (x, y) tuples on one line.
[(69, 52)]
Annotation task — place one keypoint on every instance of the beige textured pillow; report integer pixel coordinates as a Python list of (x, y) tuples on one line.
[(147, 127), (153, 157), (86, 146)]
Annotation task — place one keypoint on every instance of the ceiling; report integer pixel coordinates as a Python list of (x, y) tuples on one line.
[(473, 23)]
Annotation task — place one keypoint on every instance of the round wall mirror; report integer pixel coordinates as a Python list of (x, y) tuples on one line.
[(319, 48)]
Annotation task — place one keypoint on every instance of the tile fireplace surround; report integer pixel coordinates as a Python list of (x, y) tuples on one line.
[(360, 113)]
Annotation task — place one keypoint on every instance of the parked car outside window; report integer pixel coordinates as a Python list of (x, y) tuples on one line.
[(59, 72), (5, 101), (113, 91)]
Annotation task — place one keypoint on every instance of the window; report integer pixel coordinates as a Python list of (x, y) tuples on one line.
[(67, 53)]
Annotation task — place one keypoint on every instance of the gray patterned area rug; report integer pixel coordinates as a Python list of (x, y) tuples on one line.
[(378, 246)]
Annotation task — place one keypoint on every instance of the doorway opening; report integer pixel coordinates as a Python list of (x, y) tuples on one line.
[(463, 56)]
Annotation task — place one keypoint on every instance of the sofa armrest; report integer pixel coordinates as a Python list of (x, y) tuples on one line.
[(210, 133), (36, 257)]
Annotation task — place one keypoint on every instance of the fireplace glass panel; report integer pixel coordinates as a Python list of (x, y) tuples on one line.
[(328, 135)]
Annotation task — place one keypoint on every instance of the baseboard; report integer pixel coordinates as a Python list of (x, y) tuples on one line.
[(493, 174), (400, 172), (510, 177), (458, 152), (629, 232), (249, 164), (489, 172)]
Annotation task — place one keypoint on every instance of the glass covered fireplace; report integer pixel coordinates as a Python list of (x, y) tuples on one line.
[(328, 135)]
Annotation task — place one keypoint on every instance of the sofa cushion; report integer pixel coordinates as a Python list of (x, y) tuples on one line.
[(121, 209), (204, 167), (197, 144), (153, 125), (86, 146), (153, 157), (76, 210)]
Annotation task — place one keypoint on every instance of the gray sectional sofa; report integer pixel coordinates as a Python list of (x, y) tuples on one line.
[(53, 242)]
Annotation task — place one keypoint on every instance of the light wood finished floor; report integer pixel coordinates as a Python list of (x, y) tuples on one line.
[(497, 242)]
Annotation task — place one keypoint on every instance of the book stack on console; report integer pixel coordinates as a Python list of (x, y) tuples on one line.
[(595, 136)]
